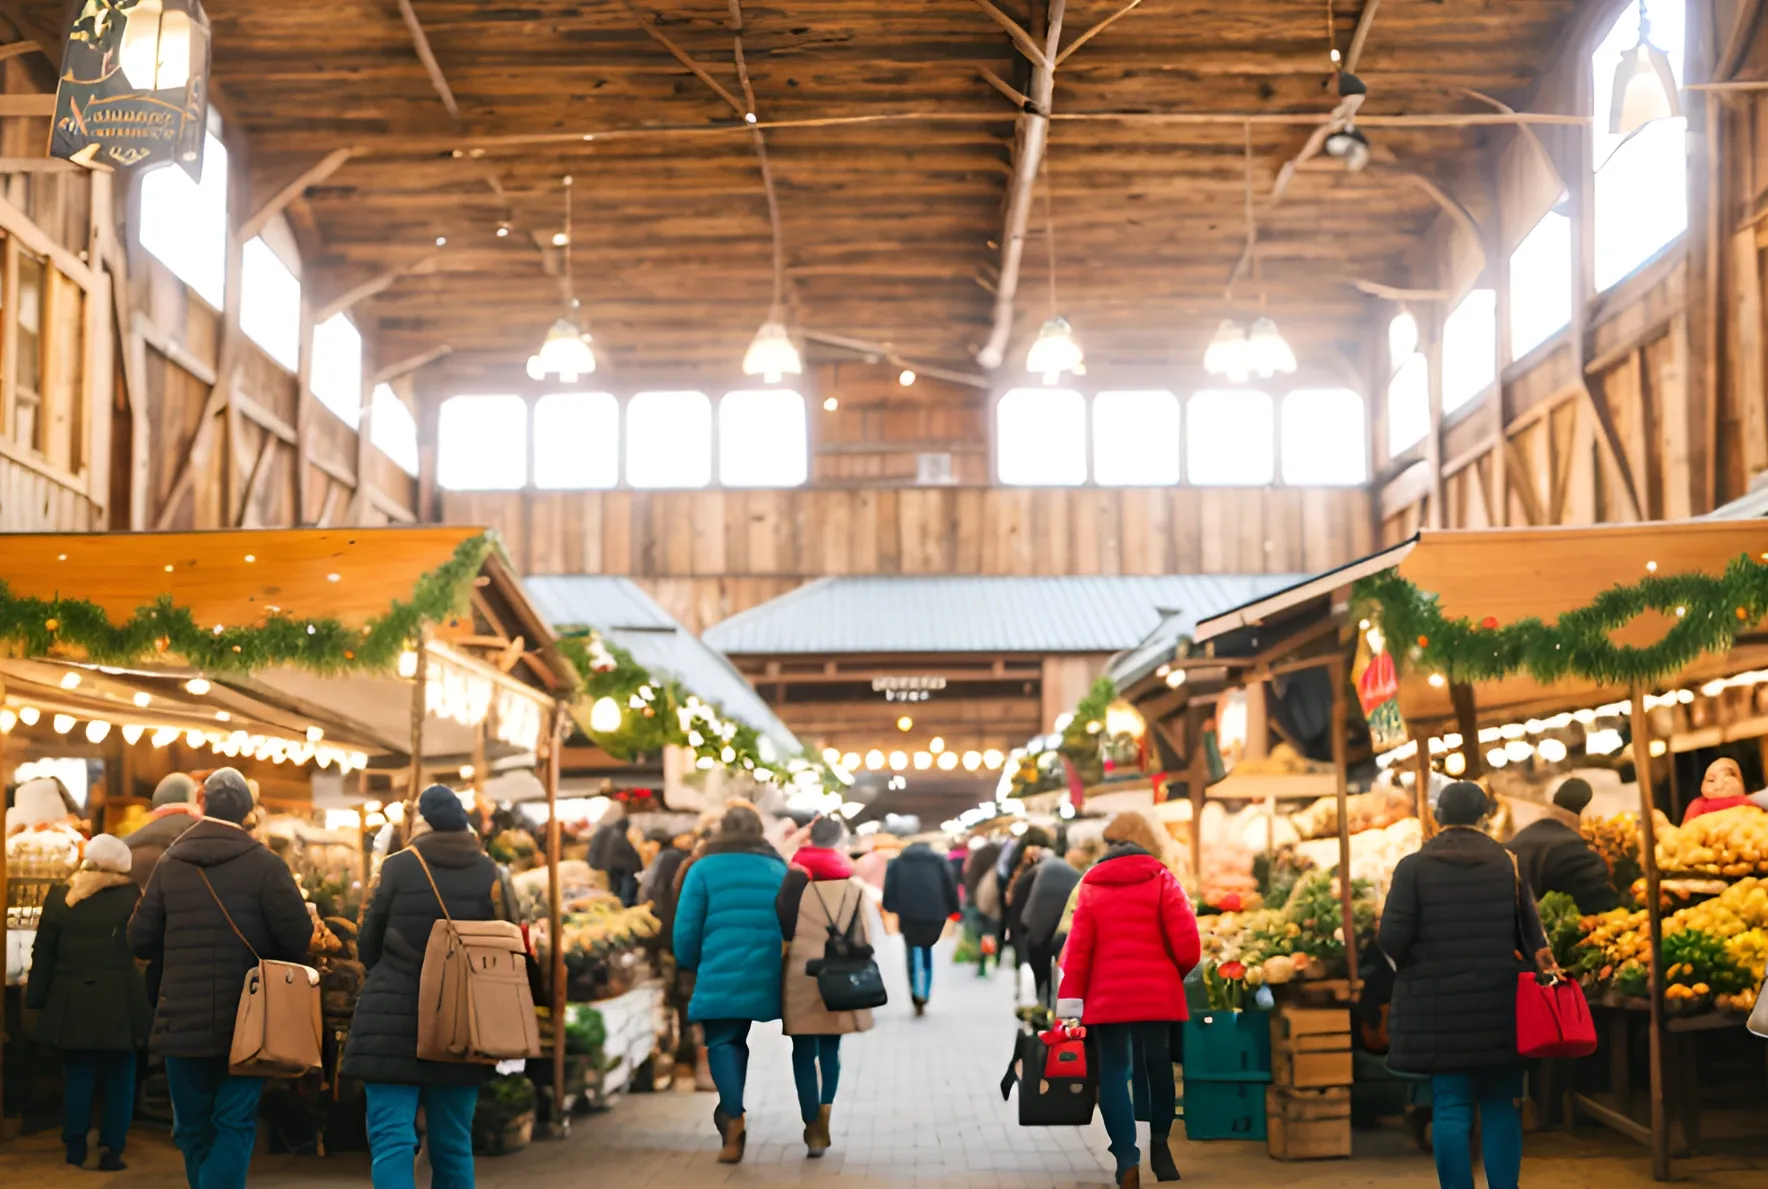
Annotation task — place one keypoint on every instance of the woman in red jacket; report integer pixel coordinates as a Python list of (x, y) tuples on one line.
[(1133, 941)]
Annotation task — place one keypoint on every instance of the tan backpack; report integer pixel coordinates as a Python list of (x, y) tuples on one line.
[(474, 1005), (276, 1029)]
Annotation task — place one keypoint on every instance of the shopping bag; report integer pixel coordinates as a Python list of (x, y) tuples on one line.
[(1046, 1101), (1552, 1017)]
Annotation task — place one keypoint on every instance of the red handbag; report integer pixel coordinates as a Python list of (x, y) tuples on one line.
[(1552, 1018), (1065, 1051)]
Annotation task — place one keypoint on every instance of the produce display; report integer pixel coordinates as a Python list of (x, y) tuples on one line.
[(1301, 937), (1363, 811), (1715, 952), (1616, 839), (1731, 842)]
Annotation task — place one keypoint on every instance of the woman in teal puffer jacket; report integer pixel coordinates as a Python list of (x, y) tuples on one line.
[(728, 933)]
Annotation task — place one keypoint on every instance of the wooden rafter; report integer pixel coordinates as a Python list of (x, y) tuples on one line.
[(1097, 29), (374, 285), (688, 60), (293, 189), (1019, 98), (411, 363), (1040, 56), (420, 41)]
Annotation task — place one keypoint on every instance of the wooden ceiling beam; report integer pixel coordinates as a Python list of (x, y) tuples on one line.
[(1097, 29), (293, 189), (372, 286), (420, 42), (693, 65), (411, 363)]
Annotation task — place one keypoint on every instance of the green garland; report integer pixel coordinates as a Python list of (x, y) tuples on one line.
[(1709, 613), (32, 627)]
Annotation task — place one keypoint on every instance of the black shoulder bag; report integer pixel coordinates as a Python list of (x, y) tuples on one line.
[(847, 976)]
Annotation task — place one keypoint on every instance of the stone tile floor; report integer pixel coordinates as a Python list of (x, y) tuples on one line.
[(919, 1107)]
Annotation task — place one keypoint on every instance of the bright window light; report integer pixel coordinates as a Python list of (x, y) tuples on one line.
[(482, 443), (1470, 348), (184, 223), (1541, 284), (1325, 443), (1230, 438), (337, 368), (1402, 339), (1408, 405), (393, 430), (762, 439), (1136, 439), (1040, 437), (669, 440), (576, 441), (270, 303)]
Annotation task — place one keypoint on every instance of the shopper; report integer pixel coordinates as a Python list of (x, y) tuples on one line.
[(92, 998), (180, 923), (920, 890), (1450, 928), (1054, 881), (382, 1049), (1556, 857), (727, 932), (982, 889), (611, 852), (1134, 938), (1034, 844), (819, 893), (175, 810)]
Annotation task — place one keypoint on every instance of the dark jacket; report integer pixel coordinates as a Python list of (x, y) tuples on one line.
[(660, 889), (396, 926), (1554, 857), (150, 842), (920, 890), (1047, 899), (204, 965), (1018, 891), (727, 929), (83, 977), (979, 864), (1450, 927), (611, 851)]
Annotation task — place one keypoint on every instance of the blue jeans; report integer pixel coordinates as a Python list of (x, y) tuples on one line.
[(214, 1120), (1121, 1048), (82, 1073), (727, 1055), (392, 1134), (920, 973), (1495, 1094), (808, 1053)]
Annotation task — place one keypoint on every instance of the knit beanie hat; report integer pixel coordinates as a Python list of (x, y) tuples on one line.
[(827, 831), (108, 853), (1573, 793), (1463, 803), (441, 808), (175, 789), (227, 796)]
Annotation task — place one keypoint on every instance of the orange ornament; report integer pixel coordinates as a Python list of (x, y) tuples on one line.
[(348, 655), (52, 624), (1423, 641), (1742, 614)]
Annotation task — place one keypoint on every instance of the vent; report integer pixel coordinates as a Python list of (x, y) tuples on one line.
[(932, 470)]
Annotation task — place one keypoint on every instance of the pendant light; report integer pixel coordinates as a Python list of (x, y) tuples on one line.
[(1644, 85), (1226, 354), (1268, 351), (1055, 349), (1237, 355), (772, 355), (566, 351)]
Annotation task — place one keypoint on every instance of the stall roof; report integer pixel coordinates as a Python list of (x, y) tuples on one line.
[(1752, 505), (1512, 574), (629, 617), (1175, 626), (976, 614)]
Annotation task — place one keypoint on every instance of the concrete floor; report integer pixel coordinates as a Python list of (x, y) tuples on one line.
[(919, 1106)]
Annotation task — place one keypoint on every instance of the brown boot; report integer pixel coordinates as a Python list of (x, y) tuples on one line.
[(735, 1137), (816, 1135), (1130, 1178)]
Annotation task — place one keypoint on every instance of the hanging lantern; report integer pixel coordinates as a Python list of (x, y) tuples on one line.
[(1644, 85), (1268, 351), (1229, 354), (566, 354), (134, 86), (771, 354), (1055, 351), (1350, 146)]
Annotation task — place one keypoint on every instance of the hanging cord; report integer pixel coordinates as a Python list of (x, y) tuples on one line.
[(1258, 274), (1331, 34), (570, 240), (1049, 225)]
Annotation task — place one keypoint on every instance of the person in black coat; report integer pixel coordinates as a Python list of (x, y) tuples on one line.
[(612, 853), (1053, 879), (1555, 857), (92, 997), (382, 1049), (1034, 845), (1450, 928), (181, 924), (920, 890)]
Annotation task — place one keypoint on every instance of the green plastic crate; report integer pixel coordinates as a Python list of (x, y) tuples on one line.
[(1224, 1109), (1228, 1046)]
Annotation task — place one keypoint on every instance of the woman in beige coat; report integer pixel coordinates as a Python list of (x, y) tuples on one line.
[(819, 891)]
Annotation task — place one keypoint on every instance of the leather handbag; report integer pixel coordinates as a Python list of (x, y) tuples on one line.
[(475, 1005), (847, 976), (1552, 1017), (276, 1029), (1058, 1086)]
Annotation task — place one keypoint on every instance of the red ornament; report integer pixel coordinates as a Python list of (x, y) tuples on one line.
[(1424, 641), (1489, 622)]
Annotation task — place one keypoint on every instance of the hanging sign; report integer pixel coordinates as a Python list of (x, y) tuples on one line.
[(1378, 690), (134, 87)]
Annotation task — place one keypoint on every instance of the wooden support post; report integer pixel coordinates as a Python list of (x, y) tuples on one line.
[(1345, 895), (414, 780), (1467, 722), (555, 924), (1660, 1133)]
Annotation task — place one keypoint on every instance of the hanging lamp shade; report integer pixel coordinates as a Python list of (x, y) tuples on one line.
[(1055, 351), (1228, 353), (566, 354), (1644, 88), (771, 354), (1268, 351)]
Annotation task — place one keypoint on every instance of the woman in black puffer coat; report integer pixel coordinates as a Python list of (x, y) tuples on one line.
[(382, 1049), (1450, 928)]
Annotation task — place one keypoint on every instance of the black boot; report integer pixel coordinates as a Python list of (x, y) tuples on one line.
[(109, 1161), (1160, 1158), (76, 1151)]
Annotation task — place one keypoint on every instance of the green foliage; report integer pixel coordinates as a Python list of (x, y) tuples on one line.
[(513, 1093), (1561, 920), (1632, 980), (1708, 612), (585, 1031), (323, 646), (1080, 738), (1694, 956)]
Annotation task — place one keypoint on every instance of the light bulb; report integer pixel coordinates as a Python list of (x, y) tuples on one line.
[(96, 730), (830, 405), (1055, 351), (197, 686), (70, 680), (992, 759), (874, 759), (850, 761), (947, 760), (923, 760), (905, 724), (132, 733), (142, 700), (63, 723), (1552, 750), (605, 716), (1454, 763), (906, 378), (164, 736), (1349, 145), (8, 720), (314, 734), (1267, 350), (1228, 354), (408, 664), (566, 353), (972, 761), (936, 744), (899, 760), (771, 354)]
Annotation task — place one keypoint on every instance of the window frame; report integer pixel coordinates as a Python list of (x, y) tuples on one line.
[(535, 435)]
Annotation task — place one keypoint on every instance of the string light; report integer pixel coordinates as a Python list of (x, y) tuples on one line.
[(96, 730), (8, 720), (830, 404), (29, 715), (142, 699), (196, 686), (132, 733), (63, 723), (70, 680)]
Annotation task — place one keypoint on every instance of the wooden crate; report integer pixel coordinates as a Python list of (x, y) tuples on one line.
[(1308, 1124), (1310, 1046)]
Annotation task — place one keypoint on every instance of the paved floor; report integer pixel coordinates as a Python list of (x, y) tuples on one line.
[(919, 1108)]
